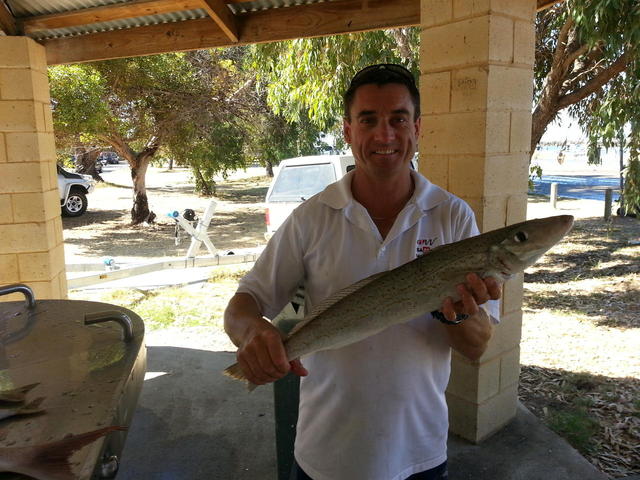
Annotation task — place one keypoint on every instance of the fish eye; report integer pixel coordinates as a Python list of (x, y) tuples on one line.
[(521, 237)]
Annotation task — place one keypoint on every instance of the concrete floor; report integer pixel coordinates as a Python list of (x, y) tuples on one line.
[(194, 424)]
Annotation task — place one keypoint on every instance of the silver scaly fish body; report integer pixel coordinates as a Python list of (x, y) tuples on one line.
[(419, 286)]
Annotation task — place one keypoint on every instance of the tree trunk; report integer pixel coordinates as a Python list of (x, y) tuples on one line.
[(401, 37), (140, 211), (269, 168), (86, 162), (205, 187), (138, 163), (571, 61)]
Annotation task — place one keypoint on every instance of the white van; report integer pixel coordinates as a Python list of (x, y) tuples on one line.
[(297, 179)]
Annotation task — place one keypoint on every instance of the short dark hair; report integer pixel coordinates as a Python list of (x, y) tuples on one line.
[(382, 74)]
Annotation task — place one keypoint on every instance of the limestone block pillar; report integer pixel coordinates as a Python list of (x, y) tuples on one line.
[(476, 83), (31, 245)]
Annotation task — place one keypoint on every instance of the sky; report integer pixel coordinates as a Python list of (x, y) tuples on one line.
[(564, 128)]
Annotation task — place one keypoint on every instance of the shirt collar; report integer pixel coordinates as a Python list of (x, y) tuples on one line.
[(426, 195)]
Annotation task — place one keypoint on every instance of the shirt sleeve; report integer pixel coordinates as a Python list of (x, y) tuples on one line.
[(278, 271)]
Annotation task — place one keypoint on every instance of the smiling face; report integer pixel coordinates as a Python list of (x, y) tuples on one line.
[(382, 130)]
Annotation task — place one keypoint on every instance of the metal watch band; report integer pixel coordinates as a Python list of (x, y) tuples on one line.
[(460, 317)]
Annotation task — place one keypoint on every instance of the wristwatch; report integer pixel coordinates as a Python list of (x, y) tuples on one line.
[(460, 317)]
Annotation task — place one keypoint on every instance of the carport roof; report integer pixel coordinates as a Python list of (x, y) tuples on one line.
[(87, 30)]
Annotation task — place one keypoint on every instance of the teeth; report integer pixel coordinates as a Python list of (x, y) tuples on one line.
[(384, 152)]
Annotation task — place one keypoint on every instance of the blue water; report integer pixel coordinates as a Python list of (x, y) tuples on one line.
[(590, 187)]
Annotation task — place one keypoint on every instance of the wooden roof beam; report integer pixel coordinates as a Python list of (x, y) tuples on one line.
[(544, 4), (119, 11), (315, 20), (225, 19), (7, 21)]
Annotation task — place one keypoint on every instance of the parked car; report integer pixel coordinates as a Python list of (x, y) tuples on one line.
[(111, 158), (297, 179), (73, 189)]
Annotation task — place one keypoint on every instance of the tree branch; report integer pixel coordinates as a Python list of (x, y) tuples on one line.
[(401, 37), (573, 56), (595, 83)]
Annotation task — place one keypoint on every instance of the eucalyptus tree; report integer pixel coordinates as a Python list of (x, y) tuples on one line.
[(183, 103), (304, 78), (587, 61)]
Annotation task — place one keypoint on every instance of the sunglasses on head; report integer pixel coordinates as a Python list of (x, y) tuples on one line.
[(382, 68)]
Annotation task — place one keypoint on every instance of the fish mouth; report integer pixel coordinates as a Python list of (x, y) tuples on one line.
[(506, 269)]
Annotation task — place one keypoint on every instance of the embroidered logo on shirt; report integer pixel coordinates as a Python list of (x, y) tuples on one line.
[(423, 245)]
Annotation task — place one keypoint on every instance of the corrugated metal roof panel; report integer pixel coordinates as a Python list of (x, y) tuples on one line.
[(257, 5), (31, 8), (120, 24)]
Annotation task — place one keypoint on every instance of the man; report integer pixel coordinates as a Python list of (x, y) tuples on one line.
[(373, 410)]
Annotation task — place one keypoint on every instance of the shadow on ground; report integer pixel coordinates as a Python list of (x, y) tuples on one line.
[(600, 261), (108, 233), (598, 415), (193, 423)]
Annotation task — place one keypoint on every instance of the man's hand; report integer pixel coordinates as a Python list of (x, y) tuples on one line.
[(262, 356), (472, 294), (261, 353), (471, 337)]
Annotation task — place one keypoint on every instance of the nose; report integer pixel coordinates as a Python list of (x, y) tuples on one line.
[(384, 132)]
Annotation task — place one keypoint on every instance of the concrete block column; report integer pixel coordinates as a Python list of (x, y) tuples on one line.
[(31, 244), (476, 84)]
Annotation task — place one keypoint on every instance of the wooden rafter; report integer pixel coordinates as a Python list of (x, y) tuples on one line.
[(221, 14), (544, 4), (119, 11), (7, 21), (327, 18)]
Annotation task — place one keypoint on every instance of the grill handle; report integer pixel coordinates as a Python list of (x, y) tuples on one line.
[(20, 287), (112, 315)]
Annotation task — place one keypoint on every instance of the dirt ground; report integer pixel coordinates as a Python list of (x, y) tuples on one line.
[(581, 310), (104, 230)]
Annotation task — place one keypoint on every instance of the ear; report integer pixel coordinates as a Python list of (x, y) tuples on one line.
[(417, 126), (346, 130)]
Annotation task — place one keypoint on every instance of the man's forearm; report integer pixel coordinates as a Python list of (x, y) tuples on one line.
[(240, 316), (471, 337)]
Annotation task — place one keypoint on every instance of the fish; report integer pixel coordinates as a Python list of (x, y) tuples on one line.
[(49, 461), (19, 410), (17, 395), (420, 286)]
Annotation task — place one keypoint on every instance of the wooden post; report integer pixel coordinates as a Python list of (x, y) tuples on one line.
[(608, 198), (553, 198)]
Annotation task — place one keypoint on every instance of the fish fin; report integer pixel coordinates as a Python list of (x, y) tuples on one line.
[(333, 299), (234, 371), (54, 457), (31, 408), (17, 394)]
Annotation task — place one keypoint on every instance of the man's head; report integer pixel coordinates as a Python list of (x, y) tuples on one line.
[(382, 121), (382, 74)]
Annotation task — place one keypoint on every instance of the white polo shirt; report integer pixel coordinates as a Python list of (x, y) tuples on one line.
[(373, 410)]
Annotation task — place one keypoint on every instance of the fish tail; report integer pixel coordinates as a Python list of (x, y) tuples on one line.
[(17, 395), (234, 371), (32, 408), (54, 456)]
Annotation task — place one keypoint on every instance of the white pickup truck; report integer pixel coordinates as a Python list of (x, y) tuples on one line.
[(297, 179), (73, 189)]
